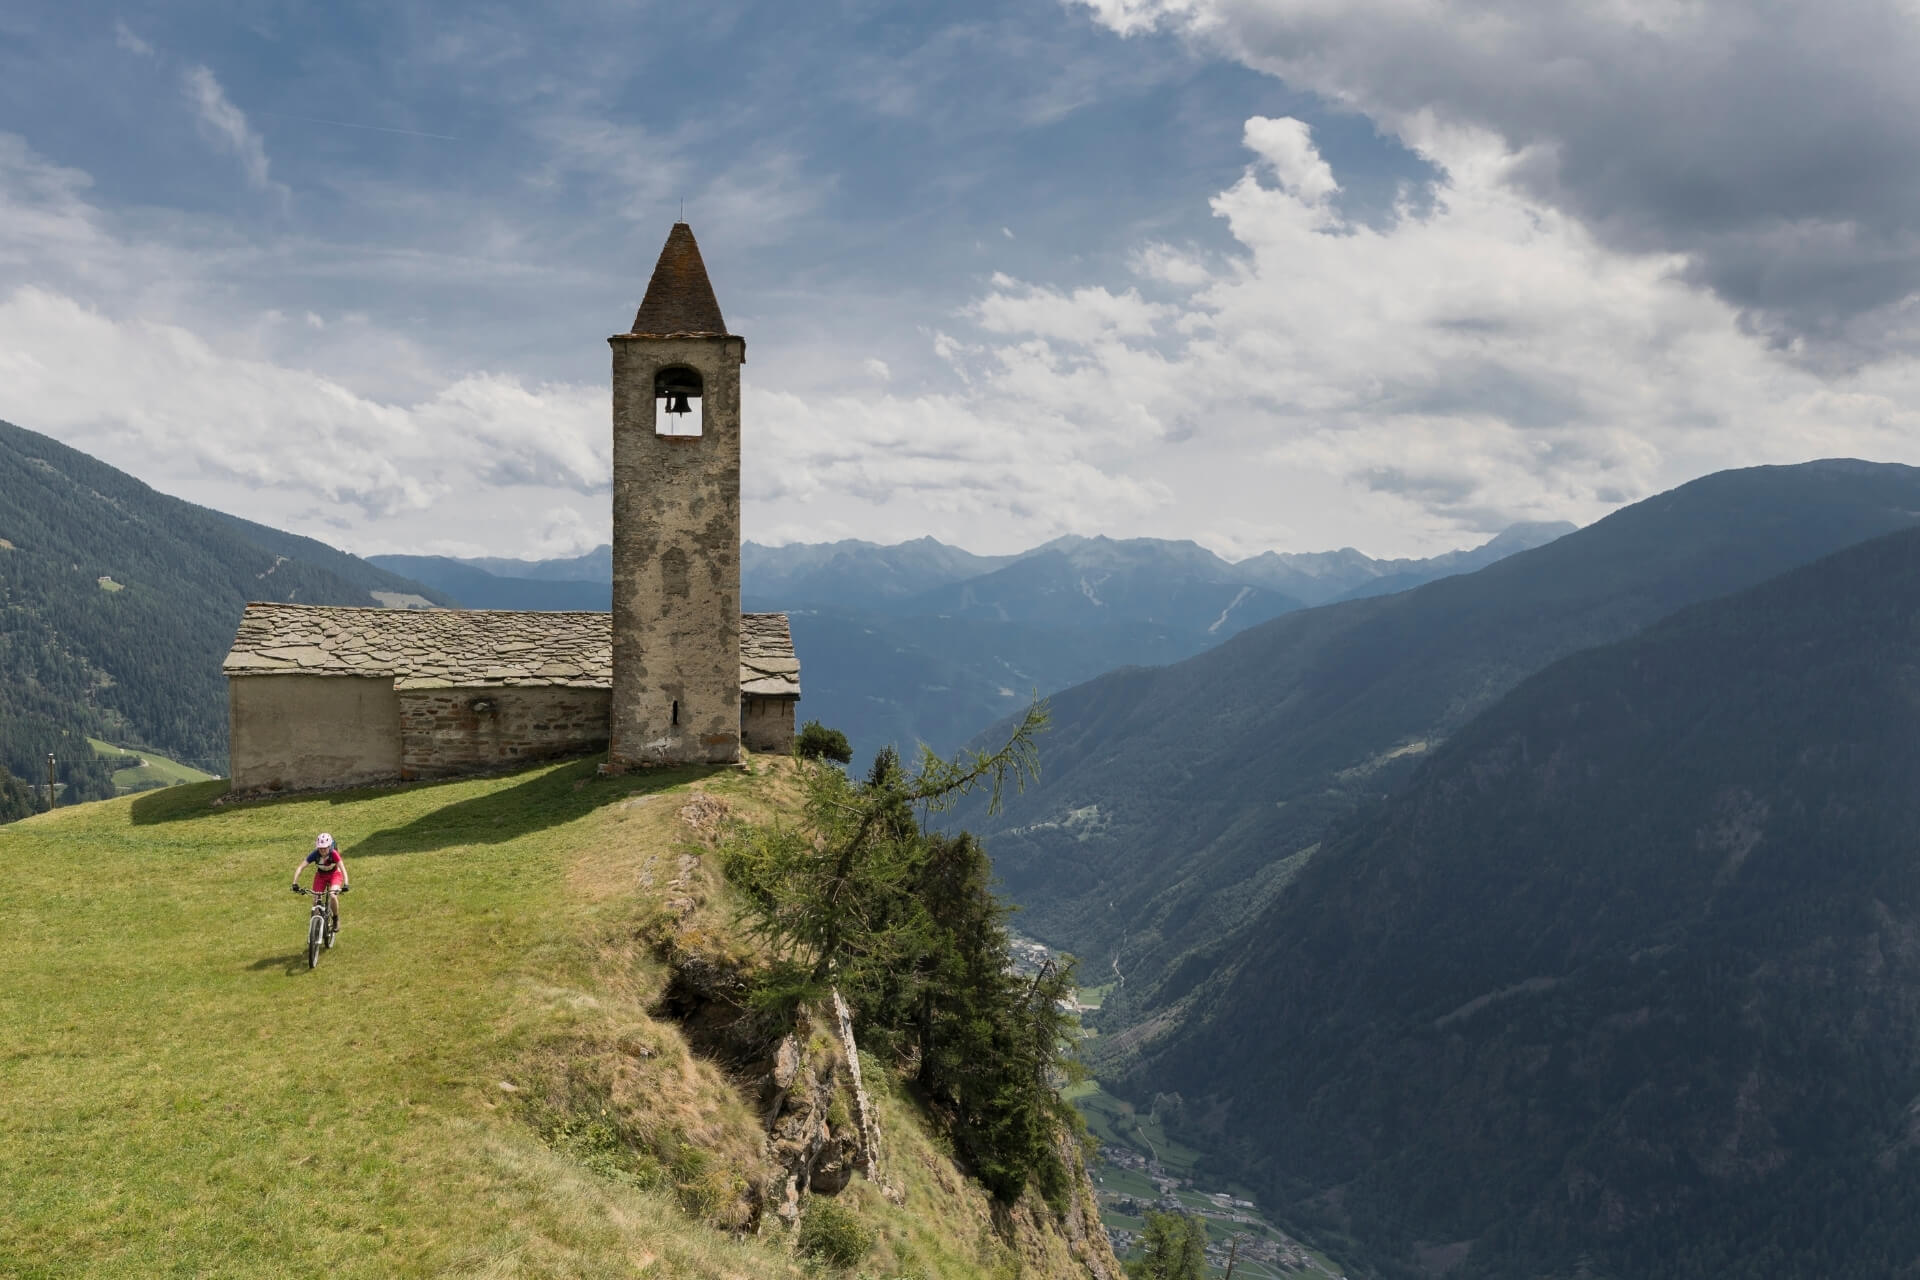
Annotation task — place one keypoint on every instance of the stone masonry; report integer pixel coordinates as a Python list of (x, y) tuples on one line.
[(321, 695), (453, 731), (676, 528)]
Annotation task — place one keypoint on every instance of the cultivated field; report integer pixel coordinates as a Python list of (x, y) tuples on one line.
[(154, 770)]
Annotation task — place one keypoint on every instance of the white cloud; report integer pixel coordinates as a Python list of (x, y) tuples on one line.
[(1287, 146), (1398, 385), (1481, 359), (124, 37), (984, 470), (226, 125), (1770, 144), (1082, 317), (161, 397), (1165, 264), (120, 360), (104, 344)]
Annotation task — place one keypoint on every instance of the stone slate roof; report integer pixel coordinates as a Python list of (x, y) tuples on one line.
[(679, 301), (767, 664), (467, 648)]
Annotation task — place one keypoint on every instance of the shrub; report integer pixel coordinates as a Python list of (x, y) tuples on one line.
[(831, 1233), (839, 1115), (817, 742)]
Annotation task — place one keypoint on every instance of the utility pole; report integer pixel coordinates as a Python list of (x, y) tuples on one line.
[(50, 782)]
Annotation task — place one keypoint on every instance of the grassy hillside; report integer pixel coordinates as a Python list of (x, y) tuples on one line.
[(469, 1084)]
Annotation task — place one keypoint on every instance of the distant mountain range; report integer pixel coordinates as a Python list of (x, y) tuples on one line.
[(1622, 982), (1176, 802), (865, 575), (924, 642), (117, 604)]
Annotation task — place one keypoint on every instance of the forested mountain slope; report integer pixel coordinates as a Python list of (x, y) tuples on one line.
[(1626, 982), (117, 604), (1177, 802)]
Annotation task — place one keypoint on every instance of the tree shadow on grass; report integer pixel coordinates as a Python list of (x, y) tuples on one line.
[(548, 798)]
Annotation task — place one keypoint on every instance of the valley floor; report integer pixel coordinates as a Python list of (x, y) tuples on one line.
[(1138, 1169)]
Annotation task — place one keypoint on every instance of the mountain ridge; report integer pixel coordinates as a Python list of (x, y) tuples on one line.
[(1621, 982), (1176, 799), (857, 571)]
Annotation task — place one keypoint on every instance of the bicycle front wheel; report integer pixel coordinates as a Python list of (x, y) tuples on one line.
[(316, 928)]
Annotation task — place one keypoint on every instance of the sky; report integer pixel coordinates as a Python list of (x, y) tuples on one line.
[(1266, 274)]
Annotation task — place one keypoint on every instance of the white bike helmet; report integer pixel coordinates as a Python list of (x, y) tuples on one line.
[(323, 841)]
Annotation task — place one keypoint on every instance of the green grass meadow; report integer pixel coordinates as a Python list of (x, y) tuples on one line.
[(182, 1097), (154, 771)]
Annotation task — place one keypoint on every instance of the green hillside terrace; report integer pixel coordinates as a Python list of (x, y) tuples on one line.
[(470, 1084)]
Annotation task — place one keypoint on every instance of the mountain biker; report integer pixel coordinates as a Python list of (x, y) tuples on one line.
[(329, 873)]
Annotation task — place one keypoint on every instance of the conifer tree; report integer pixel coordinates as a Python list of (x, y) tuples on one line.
[(1176, 1248), (903, 921)]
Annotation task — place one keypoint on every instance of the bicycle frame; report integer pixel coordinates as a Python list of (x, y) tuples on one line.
[(321, 915)]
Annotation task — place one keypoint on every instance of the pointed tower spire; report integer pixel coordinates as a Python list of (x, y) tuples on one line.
[(679, 301)]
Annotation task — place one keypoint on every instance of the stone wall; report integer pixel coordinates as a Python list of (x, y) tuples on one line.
[(676, 559), (451, 731), (290, 732), (766, 724)]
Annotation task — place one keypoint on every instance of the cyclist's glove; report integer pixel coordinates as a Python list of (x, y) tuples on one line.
[(345, 887), (296, 886)]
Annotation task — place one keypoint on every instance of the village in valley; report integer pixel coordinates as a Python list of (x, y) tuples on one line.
[(1129, 1183), (1137, 1169)]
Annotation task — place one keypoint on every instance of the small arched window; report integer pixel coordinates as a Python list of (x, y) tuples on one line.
[(679, 401)]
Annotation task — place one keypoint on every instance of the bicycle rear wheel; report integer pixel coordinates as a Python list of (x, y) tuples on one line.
[(315, 929)]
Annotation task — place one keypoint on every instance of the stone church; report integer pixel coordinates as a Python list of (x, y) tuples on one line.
[(321, 696)]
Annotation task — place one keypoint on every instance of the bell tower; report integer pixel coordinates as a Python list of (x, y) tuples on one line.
[(676, 522)]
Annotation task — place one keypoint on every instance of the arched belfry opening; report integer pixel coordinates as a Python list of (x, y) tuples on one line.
[(679, 402)]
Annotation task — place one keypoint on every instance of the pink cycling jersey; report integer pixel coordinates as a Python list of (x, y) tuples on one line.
[(329, 869)]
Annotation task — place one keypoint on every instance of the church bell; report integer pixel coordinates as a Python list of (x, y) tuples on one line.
[(675, 386)]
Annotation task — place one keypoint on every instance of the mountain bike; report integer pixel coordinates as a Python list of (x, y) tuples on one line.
[(323, 922)]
